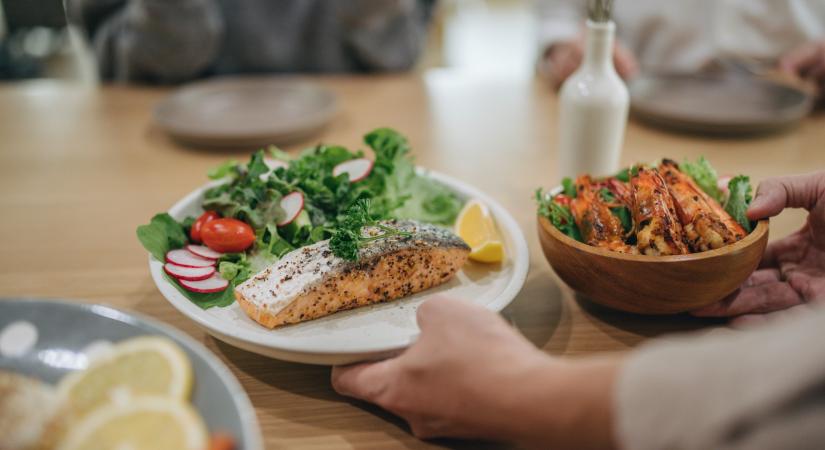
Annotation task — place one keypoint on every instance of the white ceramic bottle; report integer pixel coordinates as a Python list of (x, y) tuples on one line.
[(593, 107)]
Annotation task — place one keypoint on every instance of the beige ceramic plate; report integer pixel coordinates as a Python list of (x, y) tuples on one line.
[(245, 111), (717, 104)]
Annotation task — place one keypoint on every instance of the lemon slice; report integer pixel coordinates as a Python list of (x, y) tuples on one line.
[(475, 225), (146, 365), (146, 423)]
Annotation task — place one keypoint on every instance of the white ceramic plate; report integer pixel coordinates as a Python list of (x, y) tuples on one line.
[(360, 334)]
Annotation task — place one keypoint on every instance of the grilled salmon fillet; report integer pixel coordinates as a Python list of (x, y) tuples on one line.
[(311, 282)]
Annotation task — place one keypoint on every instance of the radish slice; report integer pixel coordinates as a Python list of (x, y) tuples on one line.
[(292, 204), (212, 284), (204, 251), (722, 183), (188, 273), (185, 258), (356, 169)]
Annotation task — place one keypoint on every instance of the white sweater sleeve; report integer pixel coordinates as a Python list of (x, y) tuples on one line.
[(753, 389)]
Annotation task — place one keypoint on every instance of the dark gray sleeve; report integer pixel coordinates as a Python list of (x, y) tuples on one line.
[(762, 388), (388, 35), (151, 40)]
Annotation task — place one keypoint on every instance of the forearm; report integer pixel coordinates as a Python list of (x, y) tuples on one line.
[(566, 404)]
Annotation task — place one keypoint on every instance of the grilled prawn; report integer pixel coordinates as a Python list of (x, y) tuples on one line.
[(658, 230), (707, 225), (597, 224)]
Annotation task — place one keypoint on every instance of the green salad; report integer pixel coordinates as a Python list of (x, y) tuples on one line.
[(605, 211), (275, 203)]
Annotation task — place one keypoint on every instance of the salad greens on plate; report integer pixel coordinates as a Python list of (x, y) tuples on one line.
[(278, 203)]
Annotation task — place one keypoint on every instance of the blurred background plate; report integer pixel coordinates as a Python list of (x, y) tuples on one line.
[(245, 111), (717, 104), (66, 332)]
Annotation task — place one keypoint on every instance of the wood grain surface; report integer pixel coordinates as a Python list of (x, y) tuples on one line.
[(81, 167)]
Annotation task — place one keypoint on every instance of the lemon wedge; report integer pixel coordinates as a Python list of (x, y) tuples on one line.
[(475, 225), (146, 365), (146, 423)]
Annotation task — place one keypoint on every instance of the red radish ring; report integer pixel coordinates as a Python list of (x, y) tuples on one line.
[(188, 273), (212, 284), (356, 169), (185, 258), (292, 204), (722, 183), (204, 251)]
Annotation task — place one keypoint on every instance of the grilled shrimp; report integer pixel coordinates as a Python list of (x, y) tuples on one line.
[(597, 224), (707, 225), (659, 231)]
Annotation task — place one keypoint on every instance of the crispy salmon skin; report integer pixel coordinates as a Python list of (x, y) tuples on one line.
[(311, 282)]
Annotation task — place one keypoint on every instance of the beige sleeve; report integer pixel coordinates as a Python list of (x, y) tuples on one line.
[(753, 389)]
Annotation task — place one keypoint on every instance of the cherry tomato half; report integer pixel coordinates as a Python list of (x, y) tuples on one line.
[(227, 235), (195, 231)]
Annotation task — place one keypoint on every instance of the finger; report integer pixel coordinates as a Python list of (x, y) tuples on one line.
[(365, 381), (568, 62), (808, 281), (817, 74), (757, 299), (776, 194), (625, 62), (763, 276), (798, 59), (787, 249), (750, 320)]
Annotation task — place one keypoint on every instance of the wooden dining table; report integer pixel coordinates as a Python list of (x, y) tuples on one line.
[(82, 166)]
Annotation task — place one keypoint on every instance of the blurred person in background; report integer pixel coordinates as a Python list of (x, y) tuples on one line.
[(688, 36), (169, 41), (469, 374)]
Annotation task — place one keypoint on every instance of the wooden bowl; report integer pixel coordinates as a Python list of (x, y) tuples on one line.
[(652, 284)]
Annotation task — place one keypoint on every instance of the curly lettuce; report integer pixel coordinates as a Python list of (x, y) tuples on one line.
[(739, 198), (705, 176)]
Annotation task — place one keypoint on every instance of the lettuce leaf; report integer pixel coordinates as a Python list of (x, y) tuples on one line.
[(560, 216), (568, 187), (406, 194), (221, 299), (739, 199), (705, 176), (161, 234), (229, 168)]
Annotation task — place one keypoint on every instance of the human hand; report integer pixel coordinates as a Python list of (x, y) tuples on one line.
[(561, 59), (806, 62), (470, 375), (792, 271)]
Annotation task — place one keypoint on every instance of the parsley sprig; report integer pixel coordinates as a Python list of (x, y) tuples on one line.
[(347, 237)]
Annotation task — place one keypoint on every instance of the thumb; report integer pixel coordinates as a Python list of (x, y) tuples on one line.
[(776, 194), (365, 381)]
